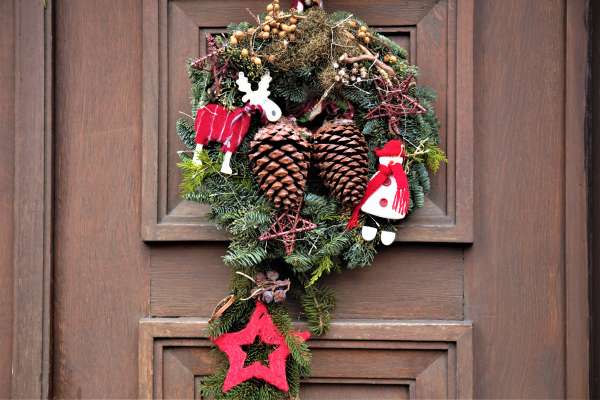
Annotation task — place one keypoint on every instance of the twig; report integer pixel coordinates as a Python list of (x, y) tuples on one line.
[(245, 276), (253, 16), (384, 73), (185, 114), (345, 58)]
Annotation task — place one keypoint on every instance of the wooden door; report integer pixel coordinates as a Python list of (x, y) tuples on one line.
[(484, 294), (356, 360)]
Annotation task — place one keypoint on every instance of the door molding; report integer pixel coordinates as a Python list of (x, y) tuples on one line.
[(31, 352), (576, 262), (441, 354), (440, 31)]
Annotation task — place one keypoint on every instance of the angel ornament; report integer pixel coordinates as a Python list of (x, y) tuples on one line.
[(387, 194)]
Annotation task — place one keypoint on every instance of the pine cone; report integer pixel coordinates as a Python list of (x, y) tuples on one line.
[(279, 155), (340, 153)]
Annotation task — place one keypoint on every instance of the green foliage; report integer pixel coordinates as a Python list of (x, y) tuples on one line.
[(201, 81), (434, 158), (302, 72), (318, 304), (245, 254), (360, 254), (323, 268), (185, 131), (193, 175)]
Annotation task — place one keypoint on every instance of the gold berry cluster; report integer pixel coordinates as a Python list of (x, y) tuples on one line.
[(363, 34), (276, 25), (390, 59)]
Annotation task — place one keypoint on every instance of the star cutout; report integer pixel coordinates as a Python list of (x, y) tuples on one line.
[(260, 325)]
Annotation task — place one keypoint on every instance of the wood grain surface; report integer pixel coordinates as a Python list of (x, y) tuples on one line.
[(7, 91), (594, 150), (514, 275), (512, 282), (576, 254), (33, 196), (414, 282), (101, 280)]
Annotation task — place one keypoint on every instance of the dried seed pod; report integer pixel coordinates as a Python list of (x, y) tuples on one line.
[(279, 155), (340, 154)]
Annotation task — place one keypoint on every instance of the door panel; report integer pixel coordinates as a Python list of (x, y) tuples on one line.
[(409, 283), (366, 360), (413, 282), (438, 35)]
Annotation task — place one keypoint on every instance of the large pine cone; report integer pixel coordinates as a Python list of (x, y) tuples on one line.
[(279, 155), (340, 153)]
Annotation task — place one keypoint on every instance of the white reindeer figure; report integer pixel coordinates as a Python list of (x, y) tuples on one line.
[(216, 123), (259, 97)]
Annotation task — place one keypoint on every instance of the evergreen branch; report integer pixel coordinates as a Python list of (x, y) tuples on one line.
[(318, 305), (325, 266)]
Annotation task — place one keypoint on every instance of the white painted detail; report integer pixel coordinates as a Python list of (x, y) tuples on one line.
[(259, 97), (197, 152), (384, 195), (387, 237), (225, 167), (368, 232)]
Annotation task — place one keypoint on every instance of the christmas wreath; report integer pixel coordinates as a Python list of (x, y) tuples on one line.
[(308, 136)]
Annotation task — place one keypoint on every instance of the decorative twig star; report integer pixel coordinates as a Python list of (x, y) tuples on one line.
[(260, 325), (286, 226), (395, 103)]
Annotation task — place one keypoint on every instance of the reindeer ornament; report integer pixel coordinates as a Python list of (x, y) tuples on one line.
[(229, 127)]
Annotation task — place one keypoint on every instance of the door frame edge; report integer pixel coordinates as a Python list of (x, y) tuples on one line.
[(33, 200), (575, 189)]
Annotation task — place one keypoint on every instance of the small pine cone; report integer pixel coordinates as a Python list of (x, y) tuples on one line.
[(279, 155), (340, 154)]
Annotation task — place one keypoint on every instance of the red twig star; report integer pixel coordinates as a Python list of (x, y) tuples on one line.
[(286, 226), (395, 103), (261, 326)]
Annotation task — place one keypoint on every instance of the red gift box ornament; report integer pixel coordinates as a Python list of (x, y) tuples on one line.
[(215, 123), (260, 325)]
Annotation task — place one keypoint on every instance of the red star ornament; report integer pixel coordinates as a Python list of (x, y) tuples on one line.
[(260, 325)]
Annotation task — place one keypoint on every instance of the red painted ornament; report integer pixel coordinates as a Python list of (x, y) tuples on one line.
[(216, 123), (260, 325), (390, 168)]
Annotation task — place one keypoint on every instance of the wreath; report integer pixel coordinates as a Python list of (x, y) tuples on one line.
[(310, 140)]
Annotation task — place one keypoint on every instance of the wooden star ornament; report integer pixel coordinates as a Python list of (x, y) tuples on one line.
[(260, 325)]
